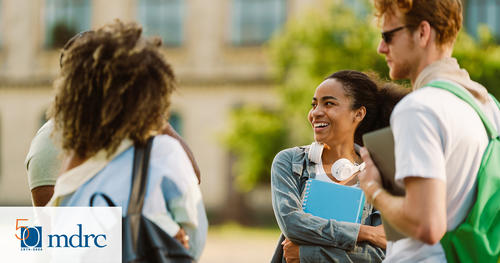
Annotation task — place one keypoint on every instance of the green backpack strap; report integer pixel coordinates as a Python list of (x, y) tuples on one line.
[(476, 238), (462, 94)]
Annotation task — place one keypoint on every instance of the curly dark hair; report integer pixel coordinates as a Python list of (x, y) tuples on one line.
[(113, 85), (377, 96)]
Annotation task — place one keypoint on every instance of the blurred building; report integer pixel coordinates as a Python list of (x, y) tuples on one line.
[(217, 48)]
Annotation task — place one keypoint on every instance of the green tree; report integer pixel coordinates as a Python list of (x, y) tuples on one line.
[(481, 58), (256, 134), (310, 48)]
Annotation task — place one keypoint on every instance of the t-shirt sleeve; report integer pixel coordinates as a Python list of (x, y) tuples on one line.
[(177, 190), (42, 162), (419, 144)]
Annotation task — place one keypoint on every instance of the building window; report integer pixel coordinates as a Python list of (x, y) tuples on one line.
[(483, 12), (163, 18), (254, 21), (64, 19), (361, 8), (175, 121)]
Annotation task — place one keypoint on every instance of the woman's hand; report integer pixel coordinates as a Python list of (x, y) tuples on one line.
[(373, 234), (182, 237), (290, 251)]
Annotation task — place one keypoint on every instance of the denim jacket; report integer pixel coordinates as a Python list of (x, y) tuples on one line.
[(320, 240)]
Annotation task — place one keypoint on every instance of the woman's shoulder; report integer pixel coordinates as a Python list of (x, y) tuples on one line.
[(166, 140), (169, 159), (291, 153), (166, 146), (291, 159)]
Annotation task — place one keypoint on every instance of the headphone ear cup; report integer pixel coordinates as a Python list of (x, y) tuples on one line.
[(342, 169)]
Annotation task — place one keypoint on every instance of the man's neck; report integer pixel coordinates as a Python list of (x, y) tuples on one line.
[(435, 55)]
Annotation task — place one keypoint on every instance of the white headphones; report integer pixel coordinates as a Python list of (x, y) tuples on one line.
[(341, 169)]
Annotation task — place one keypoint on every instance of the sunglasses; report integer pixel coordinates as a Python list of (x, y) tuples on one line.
[(387, 35)]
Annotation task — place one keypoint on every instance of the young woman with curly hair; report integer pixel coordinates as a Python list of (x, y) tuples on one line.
[(113, 94)]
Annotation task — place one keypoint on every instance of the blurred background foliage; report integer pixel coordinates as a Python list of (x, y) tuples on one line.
[(256, 134), (311, 47)]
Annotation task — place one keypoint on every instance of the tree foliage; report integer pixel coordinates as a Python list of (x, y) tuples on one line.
[(310, 48), (481, 58), (256, 134), (314, 46)]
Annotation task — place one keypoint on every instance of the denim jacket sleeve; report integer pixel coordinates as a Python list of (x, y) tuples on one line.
[(363, 252), (299, 227)]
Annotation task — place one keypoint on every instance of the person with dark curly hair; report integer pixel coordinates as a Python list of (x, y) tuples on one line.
[(43, 163), (112, 94)]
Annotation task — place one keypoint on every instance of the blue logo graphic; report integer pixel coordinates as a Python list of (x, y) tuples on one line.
[(31, 238)]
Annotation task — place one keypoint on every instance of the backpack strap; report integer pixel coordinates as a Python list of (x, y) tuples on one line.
[(139, 177), (462, 94), (106, 198)]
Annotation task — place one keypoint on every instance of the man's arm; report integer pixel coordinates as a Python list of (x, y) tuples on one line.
[(42, 165), (420, 214), (42, 194)]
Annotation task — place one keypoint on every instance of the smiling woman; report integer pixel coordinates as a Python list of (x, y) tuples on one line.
[(345, 106)]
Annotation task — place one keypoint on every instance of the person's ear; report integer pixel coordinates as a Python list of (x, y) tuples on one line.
[(424, 33), (360, 114)]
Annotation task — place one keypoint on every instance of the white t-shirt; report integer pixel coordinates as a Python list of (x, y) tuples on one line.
[(437, 135), (321, 174)]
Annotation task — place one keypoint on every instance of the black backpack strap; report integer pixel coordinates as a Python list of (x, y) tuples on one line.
[(139, 177), (278, 251), (138, 192), (104, 196)]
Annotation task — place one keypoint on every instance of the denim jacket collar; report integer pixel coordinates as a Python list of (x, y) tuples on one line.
[(300, 161)]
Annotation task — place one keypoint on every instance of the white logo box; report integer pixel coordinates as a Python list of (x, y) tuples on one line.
[(68, 234)]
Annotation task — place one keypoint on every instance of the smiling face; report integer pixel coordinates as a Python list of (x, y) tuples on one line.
[(331, 116)]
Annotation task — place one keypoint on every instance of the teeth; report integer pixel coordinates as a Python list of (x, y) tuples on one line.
[(318, 125)]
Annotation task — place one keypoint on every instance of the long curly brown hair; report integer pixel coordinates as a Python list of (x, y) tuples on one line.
[(113, 85)]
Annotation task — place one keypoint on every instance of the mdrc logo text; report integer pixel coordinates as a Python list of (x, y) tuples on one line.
[(31, 238), (77, 240), (60, 234)]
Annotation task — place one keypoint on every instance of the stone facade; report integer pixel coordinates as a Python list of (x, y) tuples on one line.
[(213, 74)]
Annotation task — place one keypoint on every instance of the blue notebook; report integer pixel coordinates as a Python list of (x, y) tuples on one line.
[(333, 201)]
